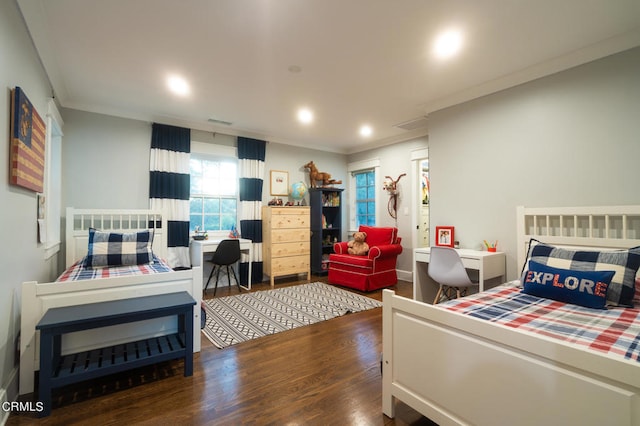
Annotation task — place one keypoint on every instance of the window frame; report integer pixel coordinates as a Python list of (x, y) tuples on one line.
[(353, 168), (366, 173), (53, 180), (223, 157)]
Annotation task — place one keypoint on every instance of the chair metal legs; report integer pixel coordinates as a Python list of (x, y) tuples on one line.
[(229, 268), (210, 275), (229, 279)]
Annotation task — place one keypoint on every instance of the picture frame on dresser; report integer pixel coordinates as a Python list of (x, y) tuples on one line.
[(445, 236), (279, 180)]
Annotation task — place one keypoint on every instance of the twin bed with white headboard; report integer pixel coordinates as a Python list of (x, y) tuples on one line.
[(455, 366), (105, 286)]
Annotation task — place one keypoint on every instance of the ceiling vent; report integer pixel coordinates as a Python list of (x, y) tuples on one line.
[(216, 121), (416, 123)]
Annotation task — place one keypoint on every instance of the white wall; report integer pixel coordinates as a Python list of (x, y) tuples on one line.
[(21, 257), (394, 160), (105, 161), (570, 139), (293, 158)]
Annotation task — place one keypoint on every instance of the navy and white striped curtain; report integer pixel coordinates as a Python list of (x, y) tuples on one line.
[(169, 187), (251, 153)]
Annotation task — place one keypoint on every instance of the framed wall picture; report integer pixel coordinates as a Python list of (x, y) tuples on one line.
[(444, 236), (279, 182), (27, 143)]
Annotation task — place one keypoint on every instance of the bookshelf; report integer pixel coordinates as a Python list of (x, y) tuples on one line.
[(326, 226)]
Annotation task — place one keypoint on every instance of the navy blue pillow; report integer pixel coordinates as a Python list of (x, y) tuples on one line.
[(118, 249), (584, 288), (625, 263)]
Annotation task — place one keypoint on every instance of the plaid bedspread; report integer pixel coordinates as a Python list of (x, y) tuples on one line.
[(614, 331), (79, 272)]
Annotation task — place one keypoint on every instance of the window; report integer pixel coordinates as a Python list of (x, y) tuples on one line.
[(213, 204), (365, 197), (53, 179), (363, 176)]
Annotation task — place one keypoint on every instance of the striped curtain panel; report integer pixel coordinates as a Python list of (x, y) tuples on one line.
[(169, 188), (251, 153)]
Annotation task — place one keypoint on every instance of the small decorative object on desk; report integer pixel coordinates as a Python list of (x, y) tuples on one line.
[(199, 235), (234, 232), (445, 236), (491, 247)]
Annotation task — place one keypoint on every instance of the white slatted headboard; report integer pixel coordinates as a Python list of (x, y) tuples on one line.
[(80, 220), (600, 226)]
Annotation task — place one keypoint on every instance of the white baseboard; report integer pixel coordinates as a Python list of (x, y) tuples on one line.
[(405, 275)]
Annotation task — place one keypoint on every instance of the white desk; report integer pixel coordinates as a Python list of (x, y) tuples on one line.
[(199, 247), (489, 265)]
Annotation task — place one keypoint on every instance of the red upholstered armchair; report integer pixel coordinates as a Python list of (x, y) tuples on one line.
[(367, 273)]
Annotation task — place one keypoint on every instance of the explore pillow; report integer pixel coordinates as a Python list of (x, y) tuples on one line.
[(625, 263), (584, 288), (119, 249)]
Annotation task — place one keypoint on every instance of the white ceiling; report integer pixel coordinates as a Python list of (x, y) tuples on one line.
[(361, 61)]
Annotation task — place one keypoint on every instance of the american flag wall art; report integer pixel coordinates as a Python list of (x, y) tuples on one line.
[(28, 132)]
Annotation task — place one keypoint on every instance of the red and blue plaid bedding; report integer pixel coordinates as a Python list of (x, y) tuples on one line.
[(80, 272), (614, 331)]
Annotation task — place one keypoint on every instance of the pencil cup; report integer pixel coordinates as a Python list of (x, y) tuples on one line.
[(491, 249)]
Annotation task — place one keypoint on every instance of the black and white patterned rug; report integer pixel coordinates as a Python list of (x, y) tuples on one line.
[(236, 319)]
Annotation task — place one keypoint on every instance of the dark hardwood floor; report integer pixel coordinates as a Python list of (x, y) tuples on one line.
[(323, 374)]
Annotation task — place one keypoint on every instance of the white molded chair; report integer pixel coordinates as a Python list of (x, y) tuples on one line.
[(446, 268)]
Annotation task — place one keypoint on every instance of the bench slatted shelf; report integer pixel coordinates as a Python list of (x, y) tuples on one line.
[(58, 370)]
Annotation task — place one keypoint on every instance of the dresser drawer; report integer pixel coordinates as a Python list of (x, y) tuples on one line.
[(289, 211), (289, 265), (289, 221), (290, 235), (290, 249)]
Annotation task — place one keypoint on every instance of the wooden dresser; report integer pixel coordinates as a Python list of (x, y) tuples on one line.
[(285, 241)]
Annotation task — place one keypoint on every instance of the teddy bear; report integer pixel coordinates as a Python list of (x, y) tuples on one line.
[(358, 246)]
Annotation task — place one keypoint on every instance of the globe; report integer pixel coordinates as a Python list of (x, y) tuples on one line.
[(298, 190)]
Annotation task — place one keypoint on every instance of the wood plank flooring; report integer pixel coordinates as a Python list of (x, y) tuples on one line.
[(323, 374)]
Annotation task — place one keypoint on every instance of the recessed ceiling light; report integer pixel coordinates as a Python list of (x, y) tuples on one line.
[(448, 44), (178, 85), (366, 131), (305, 115)]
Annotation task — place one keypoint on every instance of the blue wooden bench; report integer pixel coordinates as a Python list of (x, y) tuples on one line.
[(58, 370)]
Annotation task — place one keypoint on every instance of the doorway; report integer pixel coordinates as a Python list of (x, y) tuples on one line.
[(423, 202), (421, 197)]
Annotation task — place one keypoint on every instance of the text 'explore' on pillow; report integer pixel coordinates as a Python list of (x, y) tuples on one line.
[(119, 249), (584, 288), (624, 262)]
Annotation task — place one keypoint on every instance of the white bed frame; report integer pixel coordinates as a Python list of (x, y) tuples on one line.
[(38, 297), (456, 369)]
